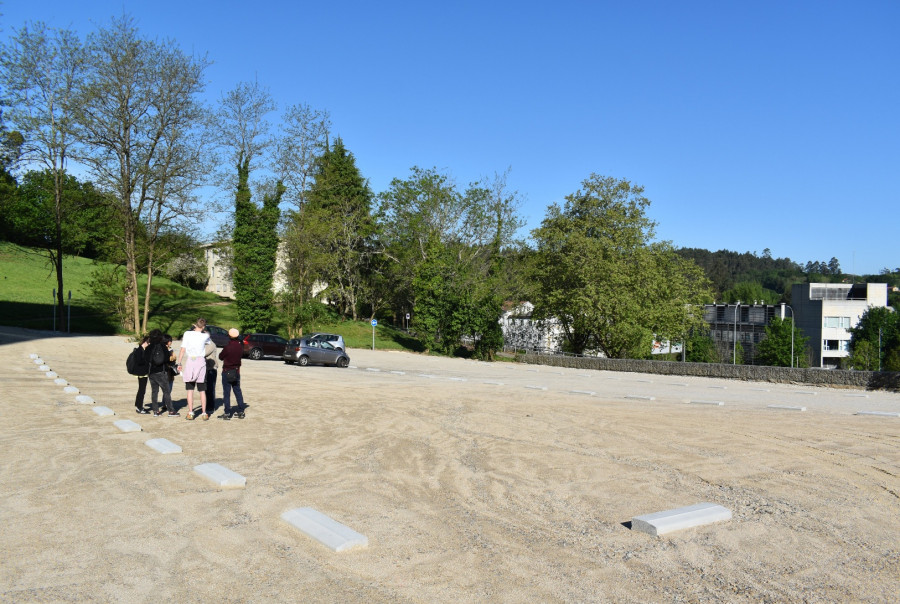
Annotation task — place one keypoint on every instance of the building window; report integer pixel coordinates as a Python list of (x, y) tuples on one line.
[(830, 345), (839, 322), (844, 345)]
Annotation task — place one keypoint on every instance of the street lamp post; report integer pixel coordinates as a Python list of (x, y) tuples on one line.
[(792, 332), (734, 339)]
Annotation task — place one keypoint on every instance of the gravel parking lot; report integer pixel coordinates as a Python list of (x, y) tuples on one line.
[(475, 482)]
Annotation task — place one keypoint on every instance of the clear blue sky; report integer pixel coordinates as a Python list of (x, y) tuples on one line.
[(751, 125)]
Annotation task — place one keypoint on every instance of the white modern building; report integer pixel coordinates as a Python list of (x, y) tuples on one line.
[(827, 311)]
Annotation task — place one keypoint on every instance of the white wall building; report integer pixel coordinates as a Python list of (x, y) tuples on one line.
[(826, 312), (521, 332)]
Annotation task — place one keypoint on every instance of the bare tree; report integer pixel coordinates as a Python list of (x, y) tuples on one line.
[(40, 71), (303, 138), (139, 109)]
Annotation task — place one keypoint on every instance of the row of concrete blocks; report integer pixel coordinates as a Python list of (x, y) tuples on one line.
[(314, 524)]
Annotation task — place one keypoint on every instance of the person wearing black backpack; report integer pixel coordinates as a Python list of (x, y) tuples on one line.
[(158, 358), (138, 365)]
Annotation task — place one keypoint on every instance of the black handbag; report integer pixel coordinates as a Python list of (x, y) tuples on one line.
[(230, 376)]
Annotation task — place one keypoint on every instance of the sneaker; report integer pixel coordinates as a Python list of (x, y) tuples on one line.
[(174, 414), (141, 411), (189, 416), (158, 414), (225, 416), (204, 417), (239, 415)]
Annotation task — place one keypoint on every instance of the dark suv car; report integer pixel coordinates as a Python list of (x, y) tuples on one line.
[(218, 335), (259, 345)]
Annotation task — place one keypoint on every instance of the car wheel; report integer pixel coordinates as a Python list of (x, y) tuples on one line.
[(342, 362), (304, 361), (256, 354)]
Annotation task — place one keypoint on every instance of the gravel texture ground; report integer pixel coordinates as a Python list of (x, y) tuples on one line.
[(473, 482)]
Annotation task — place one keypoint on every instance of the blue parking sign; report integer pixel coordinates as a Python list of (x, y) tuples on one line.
[(374, 322)]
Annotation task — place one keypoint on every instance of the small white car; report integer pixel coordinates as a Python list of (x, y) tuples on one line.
[(333, 339)]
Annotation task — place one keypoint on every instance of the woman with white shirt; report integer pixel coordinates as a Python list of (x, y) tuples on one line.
[(193, 370)]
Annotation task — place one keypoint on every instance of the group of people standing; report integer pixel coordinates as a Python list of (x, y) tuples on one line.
[(197, 363)]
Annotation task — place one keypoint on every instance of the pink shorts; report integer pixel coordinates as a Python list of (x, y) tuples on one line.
[(194, 370)]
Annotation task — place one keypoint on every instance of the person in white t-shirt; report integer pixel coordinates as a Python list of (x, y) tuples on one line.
[(193, 369)]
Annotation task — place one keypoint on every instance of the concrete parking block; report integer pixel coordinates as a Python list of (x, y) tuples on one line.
[(493, 383), (221, 476), (103, 411), (38, 361), (536, 387), (70, 390), (126, 425), (641, 397), (372, 369), (163, 445), (857, 395), (427, 376), (879, 413), (787, 407), (44, 368), (60, 382), (458, 379), (399, 372), (33, 356), (84, 399), (51, 374), (587, 392), (678, 519), (718, 403), (330, 533)]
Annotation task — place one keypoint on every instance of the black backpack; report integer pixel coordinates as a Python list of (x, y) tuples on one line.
[(132, 361), (158, 357)]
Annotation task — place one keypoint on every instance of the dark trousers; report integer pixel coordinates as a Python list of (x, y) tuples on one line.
[(142, 389), (160, 381), (211, 375), (226, 395)]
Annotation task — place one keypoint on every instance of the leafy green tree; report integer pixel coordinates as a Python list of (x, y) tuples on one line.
[(600, 275), (880, 327), (775, 348), (337, 222), (446, 251), (700, 348), (750, 291), (88, 225), (864, 356)]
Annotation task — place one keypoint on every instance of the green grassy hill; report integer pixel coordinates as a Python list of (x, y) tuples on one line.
[(27, 281)]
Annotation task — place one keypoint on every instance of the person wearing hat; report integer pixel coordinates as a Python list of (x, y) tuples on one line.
[(231, 356)]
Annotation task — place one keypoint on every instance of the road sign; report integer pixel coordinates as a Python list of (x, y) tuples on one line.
[(374, 322)]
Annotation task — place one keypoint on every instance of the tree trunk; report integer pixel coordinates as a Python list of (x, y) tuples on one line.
[(131, 288)]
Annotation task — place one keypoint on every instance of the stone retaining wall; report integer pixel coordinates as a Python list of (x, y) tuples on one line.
[(869, 380)]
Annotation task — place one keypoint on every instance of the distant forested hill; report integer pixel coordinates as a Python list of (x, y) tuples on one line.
[(726, 269)]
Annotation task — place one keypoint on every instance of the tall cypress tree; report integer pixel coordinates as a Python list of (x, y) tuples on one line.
[(255, 243), (337, 218)]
